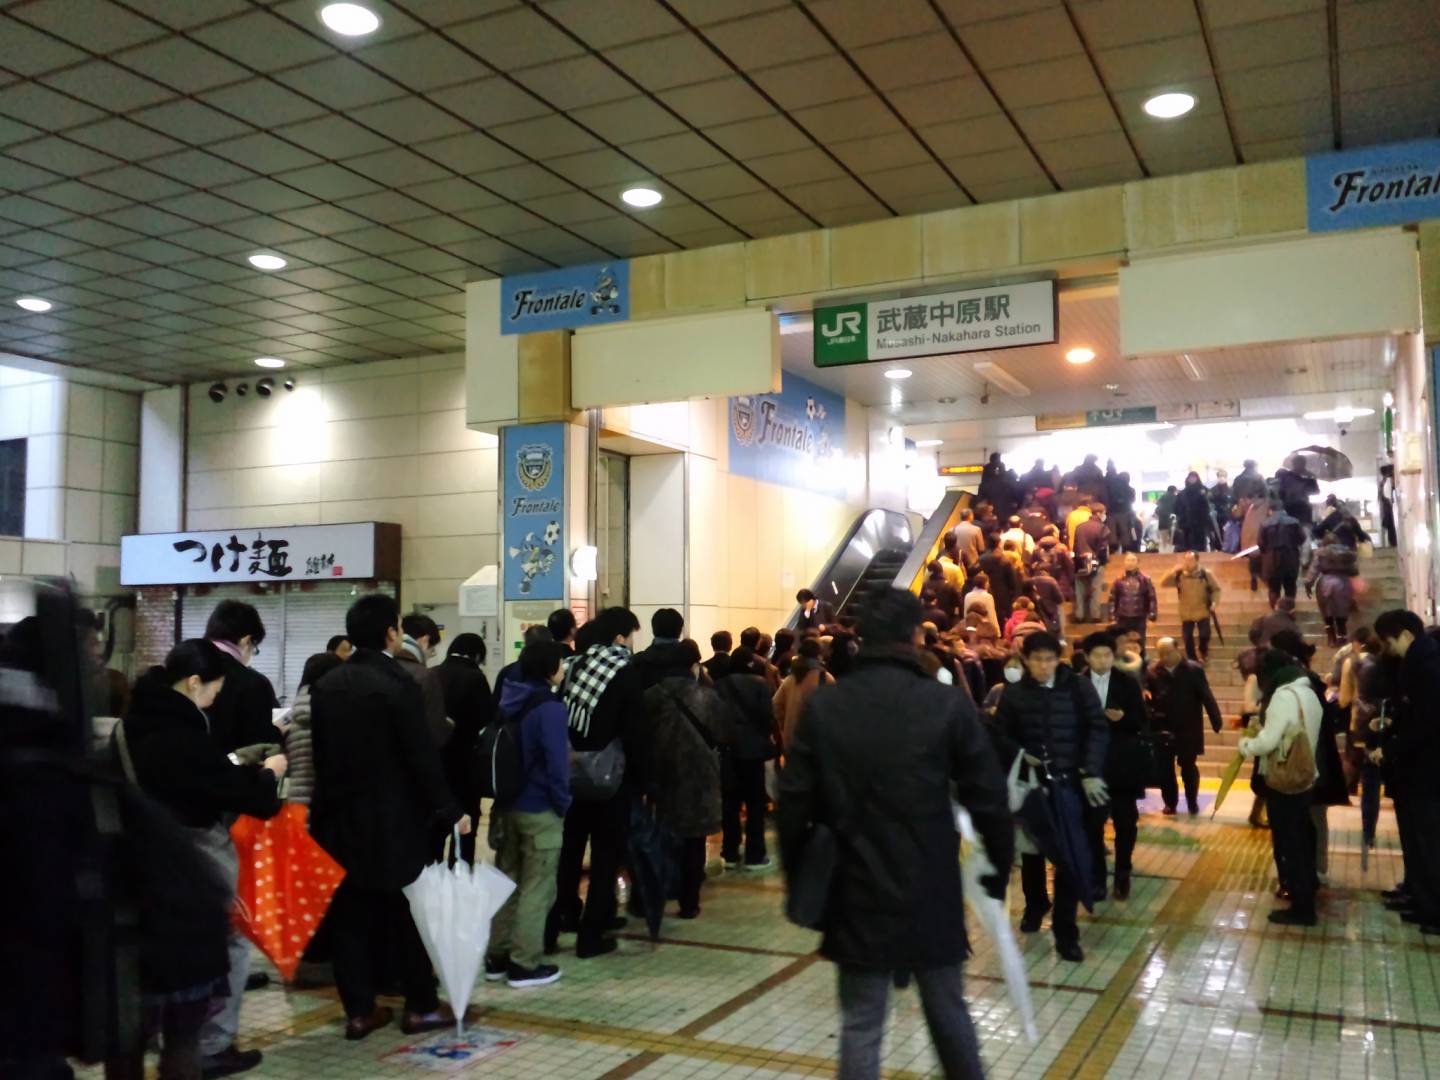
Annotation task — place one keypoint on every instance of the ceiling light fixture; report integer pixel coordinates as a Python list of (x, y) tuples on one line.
[(1112, 386), (642, 198), (264, 260), (1002, 378), (1341, 414), (1191, 369), (898, 373), (1169, 105), (930, 442), (352, 20), (1081, 355), (34, 303), (269, 362), (1388, 400)]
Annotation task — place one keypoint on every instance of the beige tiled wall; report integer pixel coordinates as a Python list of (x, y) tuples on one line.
[(370, 442), (81, 475)]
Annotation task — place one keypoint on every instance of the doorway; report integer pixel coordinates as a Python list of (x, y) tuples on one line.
[(612, 530)]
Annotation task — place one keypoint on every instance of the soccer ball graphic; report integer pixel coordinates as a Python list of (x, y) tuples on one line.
[(810, 408), (552, 533)]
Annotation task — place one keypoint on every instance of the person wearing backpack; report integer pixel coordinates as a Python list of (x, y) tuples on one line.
[(1199, 592), (1285, 747), (533, 825)]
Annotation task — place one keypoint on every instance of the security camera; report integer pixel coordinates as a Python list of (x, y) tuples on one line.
[(265, 387), (242, 389), (217, 392)]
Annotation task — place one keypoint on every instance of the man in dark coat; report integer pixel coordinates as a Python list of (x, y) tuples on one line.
[(1281, 538), (1181, 698), (1091, 553), (1056, 718), (470, 706), (895, 906), (241, 714), (1249, 484), (1124, 702), (718, 666), (1281, 619), (1133, 603), (1295, 485), (742, 687), (419, 638), (1004, 578), (380, 795), (1000, 487), (1088, 478)]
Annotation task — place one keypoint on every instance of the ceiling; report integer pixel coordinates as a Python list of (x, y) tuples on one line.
[(148, 146), (1056, 386)]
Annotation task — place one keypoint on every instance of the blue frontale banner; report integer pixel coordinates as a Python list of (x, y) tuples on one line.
[(567, 298), (533, 474), (1378, 185), (795, 437)]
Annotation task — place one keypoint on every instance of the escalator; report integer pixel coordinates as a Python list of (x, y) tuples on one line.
[(881, 551)]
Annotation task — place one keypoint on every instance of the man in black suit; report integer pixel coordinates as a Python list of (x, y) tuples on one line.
[(718, 666), (1124, 703), (814, 613), (241, 715), (380, 795), (1181, 697)]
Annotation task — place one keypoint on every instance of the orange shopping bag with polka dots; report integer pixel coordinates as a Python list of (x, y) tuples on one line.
[(286, 883)]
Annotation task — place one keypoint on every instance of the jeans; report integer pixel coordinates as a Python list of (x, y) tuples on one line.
[(1037, 898), (1370, 783), (218, 1033), (1189, 773), (1190, 629), (1292, 833), (1087, 597), (864, 1001), (602, 825), (529, 855), (746, 787), (365, 924)]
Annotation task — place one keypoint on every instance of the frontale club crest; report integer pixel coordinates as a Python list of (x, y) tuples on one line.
[(534, 466), (742, 420)]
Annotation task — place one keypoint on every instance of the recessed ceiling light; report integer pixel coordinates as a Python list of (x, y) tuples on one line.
[(265, 261), (34, 303), (1080, 356), (930, 442), (269, 362), (642, 198), (1169, 106), (1341, 414), (352, 20), (1112, 386), (898, 373)]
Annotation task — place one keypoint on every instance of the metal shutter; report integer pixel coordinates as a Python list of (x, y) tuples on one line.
[(196, 612), (313, 616)]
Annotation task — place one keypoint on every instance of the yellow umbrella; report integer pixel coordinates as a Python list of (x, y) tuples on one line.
[(1227, 781)]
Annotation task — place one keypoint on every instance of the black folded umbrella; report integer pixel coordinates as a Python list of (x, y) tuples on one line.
[(1053, 816), (652, 864)]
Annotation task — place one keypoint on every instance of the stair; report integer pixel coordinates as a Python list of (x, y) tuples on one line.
[(879, 575), (1237, 609)]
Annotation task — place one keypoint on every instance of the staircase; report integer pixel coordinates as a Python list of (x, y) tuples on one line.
[(1237, 609)]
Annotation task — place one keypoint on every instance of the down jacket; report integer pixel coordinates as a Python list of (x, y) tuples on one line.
[(1064, 725), (688, 726)]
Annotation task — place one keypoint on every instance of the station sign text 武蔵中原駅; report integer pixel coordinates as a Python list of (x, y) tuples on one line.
[(533, 512), (293, 553), (1393, 184), (795, 437), (936, 324), (565, 299)]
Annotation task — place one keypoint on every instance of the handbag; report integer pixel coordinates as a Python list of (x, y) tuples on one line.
[(810, 881), (1290, 768), (596, 775)]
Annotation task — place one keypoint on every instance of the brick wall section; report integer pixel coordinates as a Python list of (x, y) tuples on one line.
[(154, 624)]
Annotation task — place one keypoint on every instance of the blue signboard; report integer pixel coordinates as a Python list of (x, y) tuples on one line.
[(533, 476), (1378, 185), (567, 298), (795, 437)]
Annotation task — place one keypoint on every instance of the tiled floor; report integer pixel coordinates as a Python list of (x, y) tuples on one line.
[(1187, 978)]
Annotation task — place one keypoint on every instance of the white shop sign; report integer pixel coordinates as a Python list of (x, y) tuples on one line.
[(282, 553)]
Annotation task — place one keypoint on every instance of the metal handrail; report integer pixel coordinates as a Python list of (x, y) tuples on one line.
[(931, 540), (873, 531)]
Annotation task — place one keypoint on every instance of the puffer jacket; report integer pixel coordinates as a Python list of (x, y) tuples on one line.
[(688, 726), (1064, 725), (300, 776), (1132, 596)]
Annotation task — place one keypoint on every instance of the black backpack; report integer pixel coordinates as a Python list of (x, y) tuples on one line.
[(499, 762)]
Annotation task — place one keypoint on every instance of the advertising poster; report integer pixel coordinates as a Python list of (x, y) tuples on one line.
[(567, 298), (533, 511), (1394, 184), (795, 437)]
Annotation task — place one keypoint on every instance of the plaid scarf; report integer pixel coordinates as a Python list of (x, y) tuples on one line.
[(589, 677)]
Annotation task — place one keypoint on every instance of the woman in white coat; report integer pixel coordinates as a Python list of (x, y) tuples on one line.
[(1290, 711)]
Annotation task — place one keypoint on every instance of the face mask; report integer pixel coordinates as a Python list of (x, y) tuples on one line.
[(1012, 675)]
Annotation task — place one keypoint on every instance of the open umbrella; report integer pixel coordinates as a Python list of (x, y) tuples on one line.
[(453, 906), (1227, 781), (1321, 462), (652, 864)]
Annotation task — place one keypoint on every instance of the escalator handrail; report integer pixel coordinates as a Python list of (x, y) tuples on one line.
[(931, 540), (895, 523)]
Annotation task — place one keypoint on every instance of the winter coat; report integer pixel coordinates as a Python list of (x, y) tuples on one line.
[(1132, 596), (299, 750), (1004, 582), (1249, 485), (970, 541), (1049, 599), (1165, 511), (1281, 539), (1092, 543), (1074, 520), (1270, 625), (1034, 521), (241, 714), (1053, 557), (1180, 700), (1220, 499), (1332, 579), (471, 707), (544, 746), (983, 602), (1089, 480), (1295, 489), (180, 766), (752, 723), (1412, 752), (1345, 528), (1192, 513), (1064, 725), (789, 701), (886, 789), (687, 726), (1198, 592), (1331, 788), (1293, 708), (380, 792), (1125, 694), (432, 694)]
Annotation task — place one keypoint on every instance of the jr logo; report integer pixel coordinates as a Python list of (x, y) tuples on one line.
[(846, 322)]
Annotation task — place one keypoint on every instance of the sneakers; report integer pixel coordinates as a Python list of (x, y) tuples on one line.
[(497, 967), (519, 978)]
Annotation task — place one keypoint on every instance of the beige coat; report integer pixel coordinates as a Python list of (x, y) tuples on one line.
[(789, 700), (1198, 592)]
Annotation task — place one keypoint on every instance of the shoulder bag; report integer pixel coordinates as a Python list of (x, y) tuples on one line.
[(1290, 769), (596, 775)]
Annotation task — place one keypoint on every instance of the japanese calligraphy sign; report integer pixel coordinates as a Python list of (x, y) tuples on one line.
[(1394, 184), (533, 511), (293, 553), (938, 324)]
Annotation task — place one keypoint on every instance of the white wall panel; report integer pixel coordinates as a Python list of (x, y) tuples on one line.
[(657, 531)]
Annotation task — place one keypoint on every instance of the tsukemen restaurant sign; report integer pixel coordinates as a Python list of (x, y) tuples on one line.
[(564, 299), (363, 550), (937, 324), (1376, 185)]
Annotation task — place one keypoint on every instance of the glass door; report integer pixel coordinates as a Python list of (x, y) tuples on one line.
[(612, 530)]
